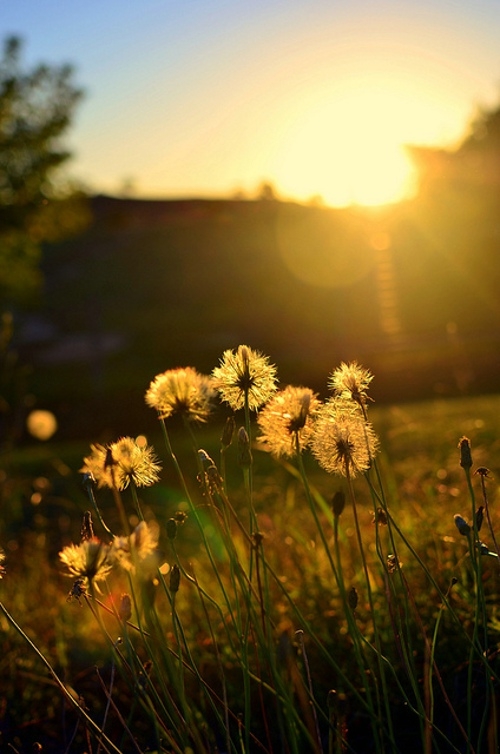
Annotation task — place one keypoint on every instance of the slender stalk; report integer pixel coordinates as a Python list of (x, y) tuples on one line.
[(88, 485), (338, 575), (480, 618), (372, 609), (105, 742)]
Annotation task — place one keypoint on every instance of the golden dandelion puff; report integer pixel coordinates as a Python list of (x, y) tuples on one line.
[(286, 421), (182, 391), (140, 545), (121, 463), (97, 467), (351, 381), (343, 442), (90, 561), (135, 463), (245, 374)]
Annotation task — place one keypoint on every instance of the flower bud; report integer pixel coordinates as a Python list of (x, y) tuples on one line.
[(465, 453), (352, 598), (462, 525), (171, 528), (228, 432), (244, 451), (125, 609), (338, 503), (175, 578)]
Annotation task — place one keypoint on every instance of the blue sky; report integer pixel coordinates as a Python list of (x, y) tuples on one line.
[(208, 97)]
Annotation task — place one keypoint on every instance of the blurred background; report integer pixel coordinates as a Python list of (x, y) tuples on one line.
[(318, 181)]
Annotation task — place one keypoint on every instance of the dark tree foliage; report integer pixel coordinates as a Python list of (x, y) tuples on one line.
[(36, 109)]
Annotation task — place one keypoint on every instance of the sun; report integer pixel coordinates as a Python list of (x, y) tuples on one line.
[(372, 173), (349, 151)]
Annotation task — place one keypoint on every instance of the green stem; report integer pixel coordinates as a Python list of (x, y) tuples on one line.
[(372, 609), (62, 687)]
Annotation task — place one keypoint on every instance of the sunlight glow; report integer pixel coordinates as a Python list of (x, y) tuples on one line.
[(350, 150)]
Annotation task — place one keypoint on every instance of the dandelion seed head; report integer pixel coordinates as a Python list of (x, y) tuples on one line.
[(121, 463), (286, 421), (144, 539), (245, 372), (139, 546), (343, 442), (136, 463), (351, 381), (182, 391), (89, 561)]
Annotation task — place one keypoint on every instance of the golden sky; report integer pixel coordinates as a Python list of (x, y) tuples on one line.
[(212, 97)]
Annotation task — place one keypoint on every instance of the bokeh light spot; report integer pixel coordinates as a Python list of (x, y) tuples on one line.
[(41, 424)]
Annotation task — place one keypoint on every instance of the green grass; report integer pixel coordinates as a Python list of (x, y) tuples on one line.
[(262, 647)]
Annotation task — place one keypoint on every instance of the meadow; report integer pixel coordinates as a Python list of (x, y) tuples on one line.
[(270, 572)]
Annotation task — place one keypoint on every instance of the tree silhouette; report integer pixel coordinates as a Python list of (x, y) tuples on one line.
[(36, 108)]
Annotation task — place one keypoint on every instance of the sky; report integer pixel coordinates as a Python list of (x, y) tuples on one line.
[(211, 98)]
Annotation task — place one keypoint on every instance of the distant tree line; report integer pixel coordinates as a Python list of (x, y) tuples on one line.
[(36, 111)]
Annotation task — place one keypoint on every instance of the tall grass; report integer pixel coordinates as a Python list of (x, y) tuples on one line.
[(286, 600)]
